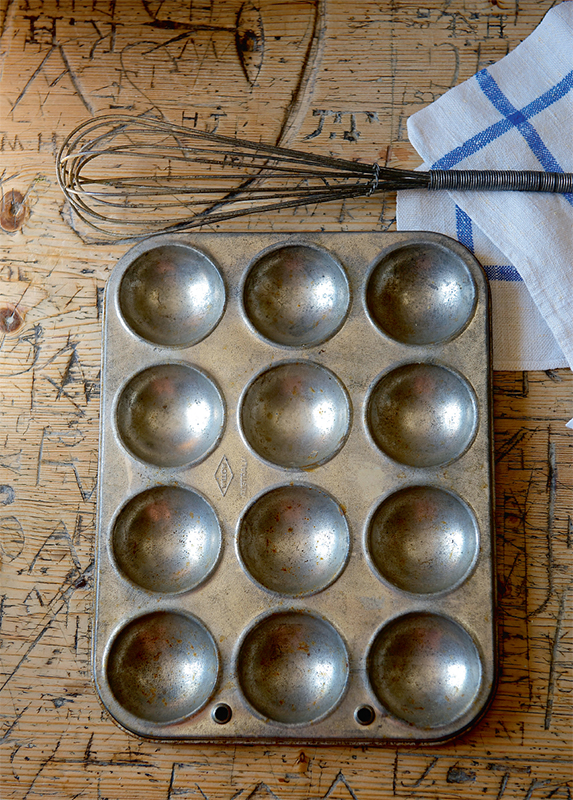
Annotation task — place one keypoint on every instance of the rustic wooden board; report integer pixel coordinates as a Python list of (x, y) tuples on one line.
[(332, 77)]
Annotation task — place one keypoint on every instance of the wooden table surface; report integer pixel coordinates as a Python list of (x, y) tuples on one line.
[(334, 76)]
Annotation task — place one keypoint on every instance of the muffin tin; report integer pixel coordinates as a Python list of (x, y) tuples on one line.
[(295, 493)]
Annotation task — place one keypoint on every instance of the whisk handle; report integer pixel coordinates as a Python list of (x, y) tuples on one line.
[(501, 180)]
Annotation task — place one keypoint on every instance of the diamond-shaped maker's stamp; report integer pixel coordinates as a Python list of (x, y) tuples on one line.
[(224, 475)]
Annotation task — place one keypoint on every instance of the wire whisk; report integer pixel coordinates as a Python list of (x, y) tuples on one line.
[(131, 177)]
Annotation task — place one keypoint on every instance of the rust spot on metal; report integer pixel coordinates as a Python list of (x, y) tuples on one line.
[(12, 211), (10, 319)]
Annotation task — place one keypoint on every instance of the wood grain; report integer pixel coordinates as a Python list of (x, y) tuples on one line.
[(334, 77)]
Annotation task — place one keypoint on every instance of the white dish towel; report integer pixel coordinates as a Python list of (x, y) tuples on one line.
[(516, 114)]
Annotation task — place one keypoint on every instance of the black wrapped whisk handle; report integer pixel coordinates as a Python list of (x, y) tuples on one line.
[(501, 180)]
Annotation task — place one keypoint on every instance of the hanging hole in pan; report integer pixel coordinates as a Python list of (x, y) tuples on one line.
[(364, 715), (222, 713)]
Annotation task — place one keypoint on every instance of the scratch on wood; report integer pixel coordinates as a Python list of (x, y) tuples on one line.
[(76, 437), (66, 378), (31, 646), (518, 438), (7, 494), (75, 81), (6, 735), (34, 339), (202, 793), (535, 784), (502, 785), (171, 779), (340, 779), (61, 391), (7, 458), (394, 772), (63, 598), (12, 537), (261, 788), (423, 776), (77, 634), (34, 593), (102, 37), (58, 535), (514, 589), (32, 78), (298, 105), (4, 9), (43, 765), (456, 70), (554, 660), (551, 487), (99, 300), (250, 41), (88, 750)]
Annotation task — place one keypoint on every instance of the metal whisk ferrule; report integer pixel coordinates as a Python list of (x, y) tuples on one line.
[(501, 180)]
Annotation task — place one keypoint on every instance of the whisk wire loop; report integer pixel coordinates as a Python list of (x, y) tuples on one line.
[(132, 177)]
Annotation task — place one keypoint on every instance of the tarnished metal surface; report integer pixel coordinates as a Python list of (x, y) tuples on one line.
[(422, 415), (296, 296), (294, 540), (162, 667), (296, 415), (166, 539), (295, 494), (293, 668), (170, 415)]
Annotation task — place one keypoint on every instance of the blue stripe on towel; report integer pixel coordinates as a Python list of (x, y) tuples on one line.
[(501, 272), (513, 118), (519, 119), (464, 230), (471, 146)]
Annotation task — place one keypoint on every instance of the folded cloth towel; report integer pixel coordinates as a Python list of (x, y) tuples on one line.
[(516, 114)]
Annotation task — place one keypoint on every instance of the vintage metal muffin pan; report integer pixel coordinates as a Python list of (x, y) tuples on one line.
[(295, 489)]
